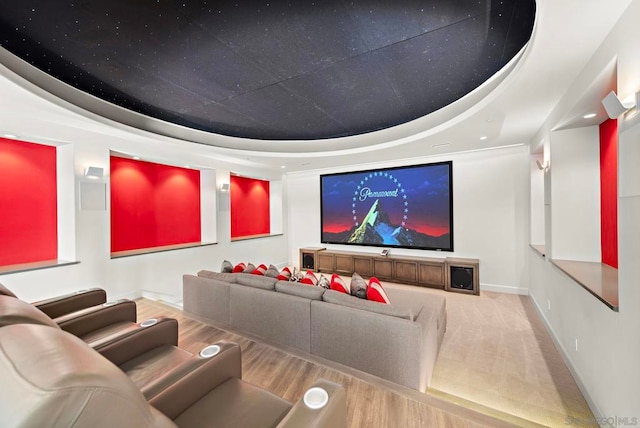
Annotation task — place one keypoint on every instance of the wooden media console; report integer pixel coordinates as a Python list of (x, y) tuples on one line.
[(430, 272)]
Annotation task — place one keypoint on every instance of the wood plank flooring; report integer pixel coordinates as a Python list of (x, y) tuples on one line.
[(371, 402)]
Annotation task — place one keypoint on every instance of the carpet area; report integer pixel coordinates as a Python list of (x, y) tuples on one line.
[(497, 353)]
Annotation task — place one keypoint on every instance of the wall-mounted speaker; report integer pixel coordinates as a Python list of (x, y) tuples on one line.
[(462, 275), (309, 258), (614, 105)]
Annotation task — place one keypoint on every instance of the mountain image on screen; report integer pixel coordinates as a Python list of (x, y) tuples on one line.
[(376, 229)]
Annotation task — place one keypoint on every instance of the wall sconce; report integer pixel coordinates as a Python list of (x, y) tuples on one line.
[(615, 107), (94, 172), (224, 187), (543, 166)]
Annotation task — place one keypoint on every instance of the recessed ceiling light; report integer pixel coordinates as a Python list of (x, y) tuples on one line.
[(441, 145), (282, 166), (483, 138), (589, 116)]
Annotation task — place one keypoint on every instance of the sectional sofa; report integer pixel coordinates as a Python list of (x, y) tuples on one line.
[(398, 342)]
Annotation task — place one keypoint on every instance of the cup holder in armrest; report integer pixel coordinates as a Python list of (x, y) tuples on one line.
[(149, 322), (316, 398), (210, 351), (114, 302)]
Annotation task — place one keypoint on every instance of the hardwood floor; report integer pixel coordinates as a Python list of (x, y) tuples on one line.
[(371, 401)]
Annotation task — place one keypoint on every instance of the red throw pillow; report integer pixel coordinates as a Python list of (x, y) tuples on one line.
[(375, 291), (260, 270), (338, 284), (309, 278), (239, 268), (285, 274)]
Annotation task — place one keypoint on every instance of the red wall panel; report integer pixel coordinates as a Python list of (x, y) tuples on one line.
[(250, 213), (28, 202), (153, 205), (609, 191)]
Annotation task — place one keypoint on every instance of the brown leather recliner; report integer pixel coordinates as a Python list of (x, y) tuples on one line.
[(108, 328), (50, 378), (61, 305)]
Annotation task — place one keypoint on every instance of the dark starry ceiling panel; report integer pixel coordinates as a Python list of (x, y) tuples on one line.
[(271, 70)]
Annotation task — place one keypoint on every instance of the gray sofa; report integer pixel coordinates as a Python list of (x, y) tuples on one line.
[(397, 342)]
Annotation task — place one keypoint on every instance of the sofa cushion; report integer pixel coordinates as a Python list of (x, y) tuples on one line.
[(256, 281), (300, 290), (226, 267), (338, 298), (324, 282), (338, 284), (309, 279), (260, 270), (358, 286), (375, 292), (285, 275), (239, 268), (272, 272)]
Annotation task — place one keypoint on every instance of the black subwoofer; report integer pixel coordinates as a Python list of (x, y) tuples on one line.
[(461, 278), (309, 261)]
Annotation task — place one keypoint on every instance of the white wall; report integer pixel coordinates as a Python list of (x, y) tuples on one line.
[(537, 200), (275, 207), (606, 363), (490, 206), (157, 275), (575, 194)]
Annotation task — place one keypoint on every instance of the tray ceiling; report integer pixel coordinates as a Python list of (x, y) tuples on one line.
[(271, 70)]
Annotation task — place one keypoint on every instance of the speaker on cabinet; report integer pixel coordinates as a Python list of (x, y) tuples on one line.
[(462, 276), (309, 258), (309, 261)]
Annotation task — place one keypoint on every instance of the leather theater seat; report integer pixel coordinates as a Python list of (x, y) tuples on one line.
[(61, 305), (52, 379), (109, 328)]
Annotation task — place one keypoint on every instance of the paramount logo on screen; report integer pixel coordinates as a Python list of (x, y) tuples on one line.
[(366, 192)]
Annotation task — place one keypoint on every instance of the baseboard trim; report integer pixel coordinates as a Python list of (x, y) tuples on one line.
[(132, 295), (568, 362), (504, 289), (166, 298)]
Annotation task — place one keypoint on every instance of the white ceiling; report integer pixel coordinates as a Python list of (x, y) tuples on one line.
[(508, 110)]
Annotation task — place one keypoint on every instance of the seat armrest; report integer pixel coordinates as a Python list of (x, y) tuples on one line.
[(128, 343), (82, 322), (175, 391), (62, 305), (333, 414)]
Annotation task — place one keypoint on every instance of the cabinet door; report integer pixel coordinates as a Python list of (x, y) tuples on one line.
[(432, 274), (406, 271), (326, 262), (362, 266), (383, 268), (344, 264)]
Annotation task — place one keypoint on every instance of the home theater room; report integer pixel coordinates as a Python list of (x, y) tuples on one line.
[(417, 213)]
